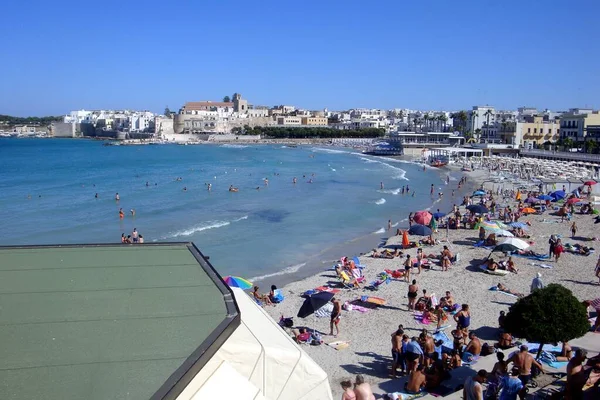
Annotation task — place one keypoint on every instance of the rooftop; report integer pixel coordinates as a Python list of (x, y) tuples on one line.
[(108, 321)]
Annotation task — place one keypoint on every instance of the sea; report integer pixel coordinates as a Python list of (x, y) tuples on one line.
[(62, 191)]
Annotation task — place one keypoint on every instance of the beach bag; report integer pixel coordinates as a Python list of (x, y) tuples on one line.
[(277, 296), (287, 322)]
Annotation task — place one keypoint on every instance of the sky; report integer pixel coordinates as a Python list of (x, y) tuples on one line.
[(429, 54)]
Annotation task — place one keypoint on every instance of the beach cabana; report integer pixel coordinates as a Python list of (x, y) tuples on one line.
[(262, 359)]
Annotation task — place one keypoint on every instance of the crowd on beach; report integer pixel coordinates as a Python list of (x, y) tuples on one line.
[(496, 214)]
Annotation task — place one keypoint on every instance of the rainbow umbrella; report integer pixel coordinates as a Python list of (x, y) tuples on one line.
[(236, 281), (489, 226)]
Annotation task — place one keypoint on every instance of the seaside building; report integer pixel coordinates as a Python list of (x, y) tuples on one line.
[(314, 121), (536, 130), (575, 123), (140, 322), (479, 116)]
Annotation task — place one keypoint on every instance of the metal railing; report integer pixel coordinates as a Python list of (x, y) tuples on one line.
[(561, 154)]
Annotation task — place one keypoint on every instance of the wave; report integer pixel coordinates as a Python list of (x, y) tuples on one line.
[(202, 227), (330, 151), (391, 191), (234, 146), (367, 160), (382, 230), (380, 201), (288, 270), (401, 173)]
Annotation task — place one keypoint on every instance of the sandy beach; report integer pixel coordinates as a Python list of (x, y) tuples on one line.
[(369, 333)]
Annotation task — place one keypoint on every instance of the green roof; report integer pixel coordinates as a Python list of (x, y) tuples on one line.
[(108, 321)]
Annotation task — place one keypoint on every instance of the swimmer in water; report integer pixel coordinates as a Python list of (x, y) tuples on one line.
[(147, 184), (310, 181), (258, 188), (381, 185), (413, 195), (185, 188), (407, 189), (209, 186), (117, 197), (452, 192), (431, 191), (266, 181), (294, 180), (96, 195), (402, 189), (132, 211), (121, 213)]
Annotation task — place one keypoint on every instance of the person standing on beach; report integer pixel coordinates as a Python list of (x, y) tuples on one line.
[(413, 292), (558, 249), (397, 356), (362, 389), (472, 389), (598, 270), (523, 361), (537, 283), (573, 229), (407, 267), (335, 316), (552, 244)]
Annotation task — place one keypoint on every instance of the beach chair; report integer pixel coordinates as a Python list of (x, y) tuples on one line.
[(358, 264)]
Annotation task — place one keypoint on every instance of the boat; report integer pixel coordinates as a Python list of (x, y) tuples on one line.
[(438, 163)]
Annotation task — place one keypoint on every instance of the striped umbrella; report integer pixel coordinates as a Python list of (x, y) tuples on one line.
[(489, 226), (236, 281)]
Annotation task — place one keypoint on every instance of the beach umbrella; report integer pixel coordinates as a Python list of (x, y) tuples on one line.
[(573, 200), (518, 243), (439, 215), (236, 281), (479, 193), (313, 303), (505, 248), (589, 183), (558, 194), (545, 197), (422, 217), (528, 210), (478, 209), (405, 241), (500, 224), (521, 225), (531, 200), (489, 226), (420, 230)]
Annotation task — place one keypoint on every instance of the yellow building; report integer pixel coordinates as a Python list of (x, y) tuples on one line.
[(317, 121), (535, 130)]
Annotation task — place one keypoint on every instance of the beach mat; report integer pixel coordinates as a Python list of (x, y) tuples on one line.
[(500, 272), (339, 344), (404, 395), (541, 265), (495, 289), (373, 300)]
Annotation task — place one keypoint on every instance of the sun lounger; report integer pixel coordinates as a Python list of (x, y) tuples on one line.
[(357, 263)]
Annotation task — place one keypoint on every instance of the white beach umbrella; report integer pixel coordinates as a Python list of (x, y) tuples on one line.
[(505, 233), (518, 243)]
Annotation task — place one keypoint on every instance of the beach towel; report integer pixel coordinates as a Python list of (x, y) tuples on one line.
[(373, 300), (497, 271), (480, 244), (495, 289), (447, 343), (540, 257), (541, 265), (404, 395), (324, 311), (549, 348), (339, 344), (353, 307)]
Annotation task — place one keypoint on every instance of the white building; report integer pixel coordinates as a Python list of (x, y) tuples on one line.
[(479, 116)]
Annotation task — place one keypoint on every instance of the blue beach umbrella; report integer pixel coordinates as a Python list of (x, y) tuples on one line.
[(420, 230), (558, 194), (478, 209), (479, 193), (439, 215), (545, 197)]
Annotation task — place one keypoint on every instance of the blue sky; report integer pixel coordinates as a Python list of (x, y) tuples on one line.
[(427, 54)]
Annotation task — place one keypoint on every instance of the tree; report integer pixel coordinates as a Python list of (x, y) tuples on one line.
[(477, 134), (487, 115), (226, 99), (548, 315), (590, 146)]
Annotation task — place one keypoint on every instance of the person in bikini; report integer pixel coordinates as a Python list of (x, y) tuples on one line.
[(463, 319)]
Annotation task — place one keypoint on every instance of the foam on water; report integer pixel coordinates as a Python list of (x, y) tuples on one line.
[(234, 146), (202, 227), (330, 151), (391, 191), (380, 231), (380, 201), (288, 270)]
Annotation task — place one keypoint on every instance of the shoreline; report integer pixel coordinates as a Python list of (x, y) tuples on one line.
[(368, 333)]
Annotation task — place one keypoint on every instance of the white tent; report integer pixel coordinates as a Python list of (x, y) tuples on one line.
[(259, 361)]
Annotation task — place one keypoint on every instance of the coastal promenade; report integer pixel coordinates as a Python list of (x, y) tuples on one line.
[(561, 155)]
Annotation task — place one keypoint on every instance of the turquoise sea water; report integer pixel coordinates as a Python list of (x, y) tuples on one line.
[(47, 190)]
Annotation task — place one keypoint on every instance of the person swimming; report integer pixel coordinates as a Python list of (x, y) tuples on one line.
[(185, 188), (233, 189), (117, 197), (121, 213), (96, 195), (294, 180), (132, 211), (209, 186)]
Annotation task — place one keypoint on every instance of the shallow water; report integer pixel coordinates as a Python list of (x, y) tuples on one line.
[(276, 230)]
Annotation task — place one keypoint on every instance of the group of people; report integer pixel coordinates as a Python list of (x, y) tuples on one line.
[(135, 237)]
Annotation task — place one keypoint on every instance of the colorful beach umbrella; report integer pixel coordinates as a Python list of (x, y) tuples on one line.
[(545, 197), (504, 233), (521, 225), (422, 217), (528, 210), (420, 230), (439, 215), (500, 224), (489, 226), (573, 200), (505, 247), (236, 281), (589, 183), (531, 200)]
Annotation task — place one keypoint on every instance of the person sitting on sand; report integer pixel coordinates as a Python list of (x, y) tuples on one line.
[(566, 352), (362, 389), (424, 301), (376, 254), (474, 346), (416, 381), (491, 265), (510, 266), (348, 391), (434, 375), (301, 335), (504, 289), (261, 297), (491, 240), (447, 302), (345, 278), (429, 240), (481, 233)]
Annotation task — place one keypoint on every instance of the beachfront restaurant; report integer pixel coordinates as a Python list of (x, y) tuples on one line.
[(151, 321), (451, 153)]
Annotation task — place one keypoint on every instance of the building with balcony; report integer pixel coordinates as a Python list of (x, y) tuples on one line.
[(574, 123), (314, 121), (535, 130)]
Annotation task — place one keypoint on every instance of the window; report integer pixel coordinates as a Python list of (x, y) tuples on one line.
[(534, 130), (528, 130)]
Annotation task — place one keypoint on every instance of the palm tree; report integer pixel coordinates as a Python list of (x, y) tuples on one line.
[(478, 134), (425, 120), (488, 114), (443, 119)]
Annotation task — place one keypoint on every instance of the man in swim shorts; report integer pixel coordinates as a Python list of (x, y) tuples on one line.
[(335, 316)]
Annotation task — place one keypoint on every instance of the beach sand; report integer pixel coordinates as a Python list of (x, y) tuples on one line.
[(369, 333)]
